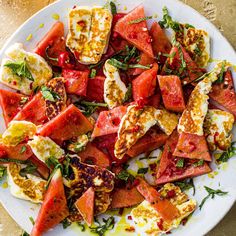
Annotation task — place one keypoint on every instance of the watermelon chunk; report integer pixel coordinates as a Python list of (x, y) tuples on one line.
[(145, 60), (154, 100), (145, 84), (172, 93), (224, 93), (34, 111), (124, 197), (76, 81), (54, 208), (95, 89), (169, 172), (68, 124), (41, 166), (134, 33), (174, 65), (192, 146), (10, 103), (149, 142), (108, 121), (164, 207), (160, 43), (85, 205), (21, 151), (92, 155)]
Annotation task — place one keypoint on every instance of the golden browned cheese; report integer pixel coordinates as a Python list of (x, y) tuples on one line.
[(28, 188), (54, 108), (217, 127)]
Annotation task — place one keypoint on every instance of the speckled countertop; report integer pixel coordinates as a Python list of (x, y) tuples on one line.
[(221, 12)]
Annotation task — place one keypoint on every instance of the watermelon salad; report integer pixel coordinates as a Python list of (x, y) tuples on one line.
[(114, 114)]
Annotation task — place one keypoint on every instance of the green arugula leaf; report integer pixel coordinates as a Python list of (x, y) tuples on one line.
[(186, 185), (93, 73), (108, 224), (49, 95), (128, 94), (221, 75), (20, 69), (29, 169), (81, 226), (88, 108), (136, 21), (113, 8), (211, 193), (131, 53), (32, 220), (180, 163), (125, 175), (199, 163), (230, 152), (3, 172), (24, 233), (65, 223), (143, 170), (23, 149)]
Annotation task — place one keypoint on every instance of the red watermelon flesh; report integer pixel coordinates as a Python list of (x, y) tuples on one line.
[(174, 65), (168, 172), (224, 93), (192, 146), (34, 111), (54, 207), (42, 168), (136, 33), (10, 103), (108, 121), (85, 205)]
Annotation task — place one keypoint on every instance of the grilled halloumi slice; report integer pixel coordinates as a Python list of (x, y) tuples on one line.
[(148, 221), (217, 126), (38, 67), (137, 121), (114, 87), (44, 147), (197, 44), (31, 188), (89, 31), (79, 144), (192, 118), (17, 132)]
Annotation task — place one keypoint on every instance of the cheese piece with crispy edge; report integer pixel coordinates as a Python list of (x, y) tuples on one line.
[(148, 221), (114, 88), (17, 131), (192, 118), (217, 126), (98, 36), (80, 19), (197, 44), (31, 188), (37, 66), (44, 147)]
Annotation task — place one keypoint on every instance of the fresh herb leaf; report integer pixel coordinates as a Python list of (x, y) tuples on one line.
[(167, 21), (93, 104), (3, 172), (147, 158), (128, 94), (139, 66), (130, 54), (199, 163), (88, 108), (65, 223), (197, 51), (180, 163), (20, 69), (108, 224), (125, 175), (49, 95), (23, 149), (172, 55), (136, 21), (187, 26), (211, 193), (186, 185), (113, 8), (93, 73), (23, 100), (32, 220), (52, 162), (142, 170), (125, 66), (29, 169), (81, 226), (24, 233), (221, 75), (230, 152)]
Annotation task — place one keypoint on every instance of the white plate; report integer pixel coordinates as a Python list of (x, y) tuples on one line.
[(214, 210)]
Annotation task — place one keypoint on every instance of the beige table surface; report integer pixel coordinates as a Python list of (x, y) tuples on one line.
[(221, 12)]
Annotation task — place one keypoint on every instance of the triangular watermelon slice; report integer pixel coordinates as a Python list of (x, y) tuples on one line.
[(135, 33), (176, 62), (54, 208), (192, 146), (10, 103), (224, 93), (85, 205), (168, 170)]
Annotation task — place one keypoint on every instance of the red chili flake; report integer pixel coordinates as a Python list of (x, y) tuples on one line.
[(74, 7), (26, 139), (141, 102), (115, 121), (171, 193), (76, 55), (121, 210), (81, 23), (153, 166), (168, 232), (160, 224), (130, 229), (129, 217), (136, 182), (184, 221), (31, 85), (135, 129), (115, 35), (14, 82), (133, 35), (149, 40)]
